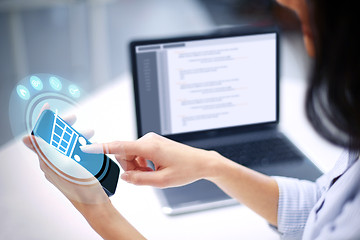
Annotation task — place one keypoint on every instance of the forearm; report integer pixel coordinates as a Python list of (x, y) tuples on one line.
[(177, 164), (107, 221), (253, 189)]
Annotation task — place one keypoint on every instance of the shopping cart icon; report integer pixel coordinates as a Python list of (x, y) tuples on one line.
[(63, 137)]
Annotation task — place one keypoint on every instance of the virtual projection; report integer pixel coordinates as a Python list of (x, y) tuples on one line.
[(33, 92), (42, 106)]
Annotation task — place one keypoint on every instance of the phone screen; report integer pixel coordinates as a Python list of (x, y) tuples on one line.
[(61, 136)]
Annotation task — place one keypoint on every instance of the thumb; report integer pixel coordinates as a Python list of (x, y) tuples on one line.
[(151, 178)]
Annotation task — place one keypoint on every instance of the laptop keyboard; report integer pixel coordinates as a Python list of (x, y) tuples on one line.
[(262, 152)]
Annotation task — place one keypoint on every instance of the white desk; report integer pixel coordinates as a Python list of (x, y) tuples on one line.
[(31, 208)]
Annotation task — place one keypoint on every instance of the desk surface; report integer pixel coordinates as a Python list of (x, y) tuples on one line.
[(31, 208)]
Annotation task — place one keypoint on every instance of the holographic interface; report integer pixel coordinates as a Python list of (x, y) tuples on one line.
[(33, 92), (56, 142)]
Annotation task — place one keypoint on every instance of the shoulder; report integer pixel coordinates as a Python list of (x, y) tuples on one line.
[(346, 224), (340, 216)]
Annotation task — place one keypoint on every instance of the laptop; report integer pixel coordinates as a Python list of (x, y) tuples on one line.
[(218, 91)]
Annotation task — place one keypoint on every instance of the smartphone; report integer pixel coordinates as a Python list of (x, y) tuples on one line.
[(61, 136)]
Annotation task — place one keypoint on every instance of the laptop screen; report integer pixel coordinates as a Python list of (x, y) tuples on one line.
[(203, 84)]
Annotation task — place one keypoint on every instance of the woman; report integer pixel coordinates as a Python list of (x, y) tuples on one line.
[(326, 209)]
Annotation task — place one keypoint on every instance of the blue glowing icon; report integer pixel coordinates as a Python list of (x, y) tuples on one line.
[(23, 92), (74, 91), (55, 83), (36, 83)]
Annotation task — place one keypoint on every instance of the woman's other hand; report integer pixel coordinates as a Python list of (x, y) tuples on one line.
[(175, 164)]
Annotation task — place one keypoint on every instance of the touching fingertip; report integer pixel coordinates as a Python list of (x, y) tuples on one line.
[(93, 148), (125, 177)]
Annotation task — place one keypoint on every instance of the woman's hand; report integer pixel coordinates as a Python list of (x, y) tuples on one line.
[(89, 199), (175, 164), (89, 192)]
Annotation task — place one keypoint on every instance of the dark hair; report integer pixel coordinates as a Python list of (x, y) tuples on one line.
[(333, 94)]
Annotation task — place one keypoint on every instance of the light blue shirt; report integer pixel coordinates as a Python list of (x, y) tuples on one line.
[(324, 210)]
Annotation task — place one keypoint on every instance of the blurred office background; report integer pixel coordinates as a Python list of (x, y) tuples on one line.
[(86, 41)]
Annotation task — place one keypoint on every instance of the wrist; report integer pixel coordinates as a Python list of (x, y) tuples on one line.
[(103, 218), (94, 213), (107, 221), (215, 166)]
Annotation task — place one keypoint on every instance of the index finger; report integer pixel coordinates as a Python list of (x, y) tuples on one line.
[(121, 148)]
